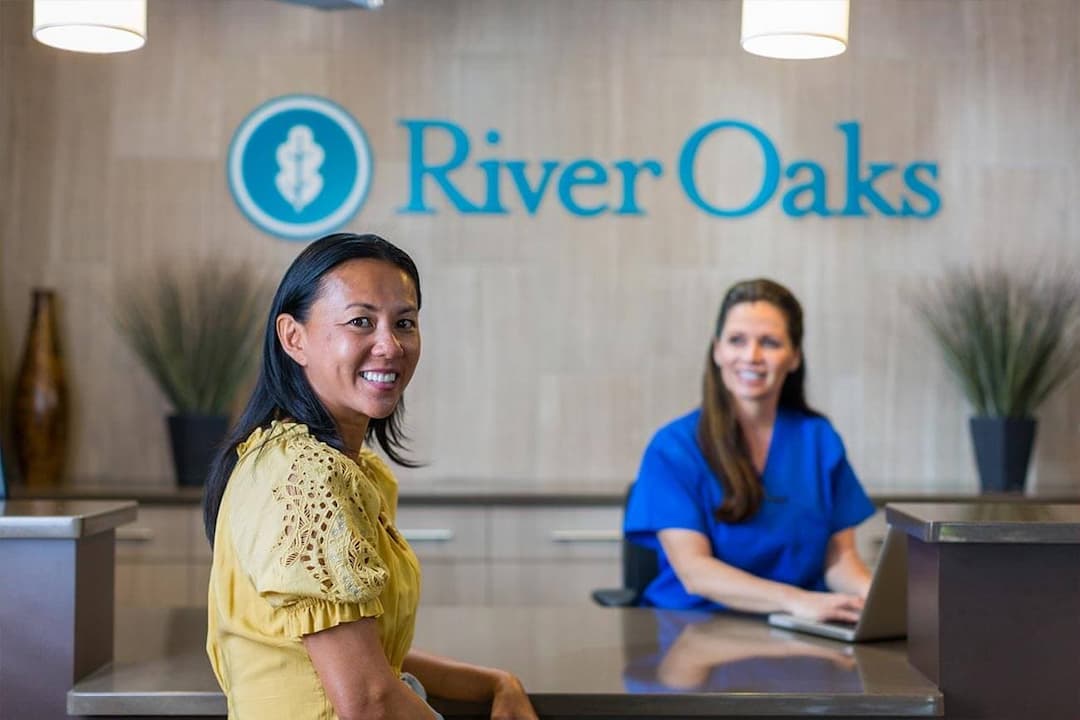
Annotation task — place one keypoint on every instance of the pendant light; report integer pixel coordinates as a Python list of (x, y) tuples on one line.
[(93, 26), (795, 29)]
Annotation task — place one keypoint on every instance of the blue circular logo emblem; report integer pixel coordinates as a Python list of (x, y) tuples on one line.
[(299, 167)]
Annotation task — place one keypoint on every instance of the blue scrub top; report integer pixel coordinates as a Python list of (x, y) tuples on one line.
[(811, 492)]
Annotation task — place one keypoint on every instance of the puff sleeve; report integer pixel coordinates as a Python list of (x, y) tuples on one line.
[(310, 548)]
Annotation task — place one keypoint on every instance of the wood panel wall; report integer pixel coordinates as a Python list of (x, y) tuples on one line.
[(553, 345)]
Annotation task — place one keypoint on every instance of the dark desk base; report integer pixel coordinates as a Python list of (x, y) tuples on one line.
[(997, 627), (56, 620)]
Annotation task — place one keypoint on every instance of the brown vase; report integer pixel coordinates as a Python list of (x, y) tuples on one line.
[(40, 422)]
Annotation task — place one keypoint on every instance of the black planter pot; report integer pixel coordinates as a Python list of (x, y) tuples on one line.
[(195, 439), (1002, 451)]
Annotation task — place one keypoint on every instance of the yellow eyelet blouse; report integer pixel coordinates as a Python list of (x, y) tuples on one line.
[(305, 540)]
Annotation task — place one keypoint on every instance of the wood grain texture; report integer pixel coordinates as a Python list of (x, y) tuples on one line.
[(555, 346)]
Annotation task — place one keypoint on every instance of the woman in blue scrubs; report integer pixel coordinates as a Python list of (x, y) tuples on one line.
[(749, 499)]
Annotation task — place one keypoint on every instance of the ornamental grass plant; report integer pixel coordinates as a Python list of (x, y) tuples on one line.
[(197, 332), (1009, 337)]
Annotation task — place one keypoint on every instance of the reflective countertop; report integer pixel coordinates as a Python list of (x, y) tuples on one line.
[(577, 661), (59, 519), (987, 522), (472, 492)]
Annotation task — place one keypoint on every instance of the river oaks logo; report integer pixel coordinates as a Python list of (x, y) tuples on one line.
[(587, 187), (299, 166)]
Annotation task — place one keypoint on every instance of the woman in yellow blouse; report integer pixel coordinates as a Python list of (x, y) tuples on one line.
[(313, 592)]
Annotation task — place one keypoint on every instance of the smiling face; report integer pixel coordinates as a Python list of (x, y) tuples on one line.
[(360, 343), (755, 353)]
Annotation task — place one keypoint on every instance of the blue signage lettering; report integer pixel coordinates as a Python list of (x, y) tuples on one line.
[(418, 169), (630, 170), (688, 159), (581, 172), (587, 187), (816, 187), (493, 205), (531, 196), (921, 189), (574, 177), (857, 185)]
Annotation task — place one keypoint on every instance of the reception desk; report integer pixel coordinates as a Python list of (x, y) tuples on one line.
[(994, 606), (56, 599), (993, 589), (581, 662)]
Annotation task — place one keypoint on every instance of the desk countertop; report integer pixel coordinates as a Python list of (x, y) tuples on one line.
[(987, 523), (61, 519), (465, 492), (575, 662)]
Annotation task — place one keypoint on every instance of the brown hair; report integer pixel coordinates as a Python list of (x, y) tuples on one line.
[(718, 433)]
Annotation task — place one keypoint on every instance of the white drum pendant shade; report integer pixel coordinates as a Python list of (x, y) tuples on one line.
[(94, 26), (795, 29)]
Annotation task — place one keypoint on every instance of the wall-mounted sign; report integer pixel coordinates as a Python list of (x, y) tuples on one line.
[(587, 186), (299, 166)]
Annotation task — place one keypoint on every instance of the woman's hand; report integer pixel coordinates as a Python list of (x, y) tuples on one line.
[(456, 680), (825, 606), (510, 702)]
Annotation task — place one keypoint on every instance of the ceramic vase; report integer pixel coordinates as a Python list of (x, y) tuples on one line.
[(40, 420)]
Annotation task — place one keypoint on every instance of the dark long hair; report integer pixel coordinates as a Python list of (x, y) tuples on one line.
[(719, 435), (282, 390)]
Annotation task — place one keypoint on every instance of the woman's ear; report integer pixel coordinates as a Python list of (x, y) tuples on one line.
[(293, 338), (798, 361)]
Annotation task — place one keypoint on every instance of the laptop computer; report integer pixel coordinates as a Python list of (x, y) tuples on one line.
[(884, 613)]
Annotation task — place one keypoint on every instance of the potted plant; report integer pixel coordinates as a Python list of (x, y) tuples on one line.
[(197, 333), (1011, 338)]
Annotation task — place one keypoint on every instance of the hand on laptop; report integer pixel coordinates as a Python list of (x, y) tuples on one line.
[(826, 606)]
